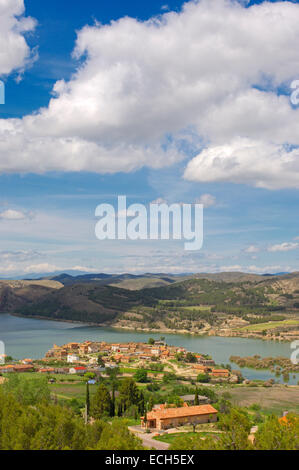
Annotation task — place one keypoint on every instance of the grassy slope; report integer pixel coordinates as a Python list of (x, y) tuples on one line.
[(272, 400), (269, 325)]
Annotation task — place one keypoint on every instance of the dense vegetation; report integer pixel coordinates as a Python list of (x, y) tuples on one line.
[(30, 421), (234, 427), (33, 418)]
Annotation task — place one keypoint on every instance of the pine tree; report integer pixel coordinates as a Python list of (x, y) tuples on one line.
[(119, 410), (196, 399), (112, 408), (101, 403), (150, 403), (87, 401)]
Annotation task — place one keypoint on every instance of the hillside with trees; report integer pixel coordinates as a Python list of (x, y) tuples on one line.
[(258, 307)]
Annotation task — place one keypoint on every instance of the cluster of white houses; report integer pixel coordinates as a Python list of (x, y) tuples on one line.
[(119, 352), (82, 356)]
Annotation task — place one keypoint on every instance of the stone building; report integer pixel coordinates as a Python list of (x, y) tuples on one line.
[(165, 418)]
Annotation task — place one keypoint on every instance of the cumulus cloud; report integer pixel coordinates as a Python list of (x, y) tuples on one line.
[(252, 249), (259, 163), (15, 53), (286, 246), (140, 86), (10, 214), (207, 200)]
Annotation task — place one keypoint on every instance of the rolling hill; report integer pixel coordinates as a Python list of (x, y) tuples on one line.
[(202, 304)]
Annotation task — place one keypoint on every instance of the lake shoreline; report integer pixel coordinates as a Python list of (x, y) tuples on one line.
[(148, 330), (32, 337)]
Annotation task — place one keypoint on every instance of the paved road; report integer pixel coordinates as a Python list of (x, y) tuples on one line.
[(148, 440)]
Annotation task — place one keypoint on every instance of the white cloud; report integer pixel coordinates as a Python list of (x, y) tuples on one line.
[(15, 54), (261, 164), (252, 249), (286, 246), (17, 269), (19, 256), (51, 268), (268, 269), (207, 200), (140, 81), (228, 269), (11, 214)]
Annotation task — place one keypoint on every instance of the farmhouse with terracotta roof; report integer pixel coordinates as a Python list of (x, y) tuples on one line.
[(162, 417)]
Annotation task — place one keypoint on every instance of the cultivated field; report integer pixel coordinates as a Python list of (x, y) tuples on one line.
[(276, 399)]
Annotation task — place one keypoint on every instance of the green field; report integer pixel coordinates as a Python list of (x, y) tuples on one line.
[(269, 325), (199, 308), (70, 391)]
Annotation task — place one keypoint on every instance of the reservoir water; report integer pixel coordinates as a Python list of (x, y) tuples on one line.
[(31, 338)]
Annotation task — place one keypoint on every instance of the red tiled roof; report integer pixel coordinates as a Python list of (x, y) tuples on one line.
[(181, 412)]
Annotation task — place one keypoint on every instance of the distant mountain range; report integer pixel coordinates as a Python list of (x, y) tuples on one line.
[(149, 300), (133, 281)]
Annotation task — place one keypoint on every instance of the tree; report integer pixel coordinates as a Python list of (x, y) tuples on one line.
[(28, 390), (101, 403), (46, 426), (278, 435), (141, 376), (196, 399), (190, 357), (100, 361), (203, 378), (175, 400), (236, 427), (8, 359), (141, 403), (112, 373), (179, 356), (168, 377), (150, 403), (128, 393), (112, 403), (87, 401), (151, 341), (116, 436), (89, 375), (224, 406)]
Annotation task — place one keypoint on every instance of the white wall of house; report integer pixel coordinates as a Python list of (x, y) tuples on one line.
[(72, 358)]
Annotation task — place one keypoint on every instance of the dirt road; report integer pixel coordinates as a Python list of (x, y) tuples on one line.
[(147, 439)]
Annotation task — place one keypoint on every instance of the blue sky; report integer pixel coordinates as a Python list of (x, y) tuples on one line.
[(169, 110)]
